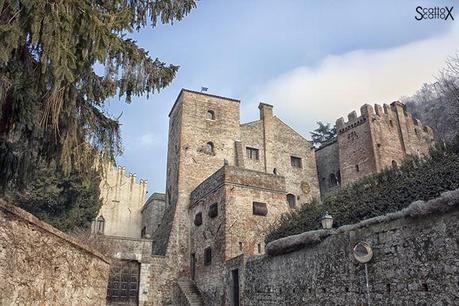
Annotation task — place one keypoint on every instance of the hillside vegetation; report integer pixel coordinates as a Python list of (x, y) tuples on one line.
[(388, 191)]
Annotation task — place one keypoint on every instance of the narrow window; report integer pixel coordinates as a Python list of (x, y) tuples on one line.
[(143, 232), (240, 246), (291, 200), (357, 168), (207, 256), (100, 226), (260, 209), (394, 164), (213, 210), (198, 219), (338, 176), (252, 153), (210, 115), (259, 248), (296, 162), (210, 147), (425, 287), (391, 123), (332, 180)]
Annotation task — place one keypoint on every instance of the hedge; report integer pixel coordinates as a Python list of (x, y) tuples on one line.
[(378, 194)]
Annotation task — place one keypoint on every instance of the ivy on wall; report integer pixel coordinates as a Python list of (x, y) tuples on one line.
[(378, 194)]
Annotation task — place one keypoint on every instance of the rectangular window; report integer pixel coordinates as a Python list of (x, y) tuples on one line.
[(207, 256), (296, 162), (252, 153), (260, 209), (213, 210)]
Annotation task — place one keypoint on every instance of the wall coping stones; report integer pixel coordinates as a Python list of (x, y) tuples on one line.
[(445, 202), (29, 218)]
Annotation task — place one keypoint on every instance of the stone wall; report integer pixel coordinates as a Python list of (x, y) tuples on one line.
[(152, 214), (122, 201), (138, 250), (328, 172), (356, 154), (415, 262), (40, 265), (381, 137), (234, 230)]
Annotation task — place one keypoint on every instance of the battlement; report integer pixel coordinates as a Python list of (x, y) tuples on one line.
[(391, 113), (120, 171)]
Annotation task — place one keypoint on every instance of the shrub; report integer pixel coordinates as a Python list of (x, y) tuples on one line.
[(378, 194)]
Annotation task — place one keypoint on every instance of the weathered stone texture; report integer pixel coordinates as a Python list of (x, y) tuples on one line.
[(152, 213), (381, 137), (328, 165), (138, 250), (235, 230), (122, 201), (40, 265), (204, 134), (415, 262)]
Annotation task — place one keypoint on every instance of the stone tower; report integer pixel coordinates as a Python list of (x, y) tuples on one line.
[(202, 131), (380, 137)]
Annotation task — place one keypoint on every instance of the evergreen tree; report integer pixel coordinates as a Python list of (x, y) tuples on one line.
[(323, 133), (51, 98)]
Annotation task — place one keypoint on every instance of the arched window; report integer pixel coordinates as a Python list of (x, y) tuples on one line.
[(394, 164), (332, 180), (210, 147), (210, 115), (291, 200), (100, 225)]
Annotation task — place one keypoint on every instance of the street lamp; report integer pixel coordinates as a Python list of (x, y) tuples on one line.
[(327, 221)]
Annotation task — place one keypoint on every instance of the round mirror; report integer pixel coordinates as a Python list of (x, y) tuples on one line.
[(362, 252)]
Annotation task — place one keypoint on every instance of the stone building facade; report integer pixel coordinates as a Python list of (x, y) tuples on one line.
[(128, 222), (381, 137), (227, 182), (152, 214), (231, 212), (122, 200), (205, 134)]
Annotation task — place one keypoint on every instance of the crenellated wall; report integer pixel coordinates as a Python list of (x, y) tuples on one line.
[(381, 137), (122, 201)]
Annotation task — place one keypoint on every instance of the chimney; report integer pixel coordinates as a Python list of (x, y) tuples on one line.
[(266, 111)]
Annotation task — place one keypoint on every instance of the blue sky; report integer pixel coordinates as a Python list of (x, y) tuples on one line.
[(313, 60)]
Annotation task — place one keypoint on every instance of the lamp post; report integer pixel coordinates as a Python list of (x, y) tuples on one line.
[(327, 221)]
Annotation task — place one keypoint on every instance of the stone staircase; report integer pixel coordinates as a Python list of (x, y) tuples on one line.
[(189, 289)]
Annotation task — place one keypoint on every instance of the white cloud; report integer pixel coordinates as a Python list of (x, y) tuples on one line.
[(342, 83), (148, 140)]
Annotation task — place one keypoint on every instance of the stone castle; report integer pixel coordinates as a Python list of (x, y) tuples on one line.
[(227, 182)]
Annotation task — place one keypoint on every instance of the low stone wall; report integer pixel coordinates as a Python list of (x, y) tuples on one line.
[(415, 262), (40, 265)]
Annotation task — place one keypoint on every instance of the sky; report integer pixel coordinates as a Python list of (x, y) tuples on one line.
[(313, 60)]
